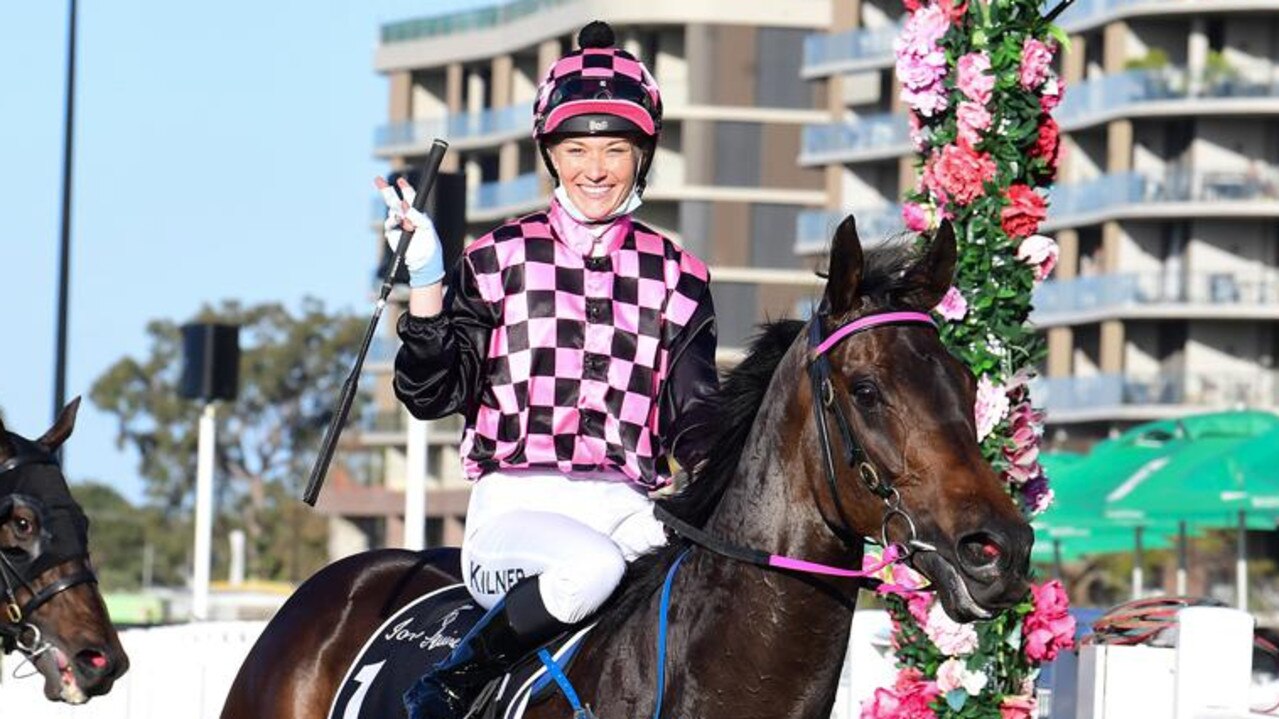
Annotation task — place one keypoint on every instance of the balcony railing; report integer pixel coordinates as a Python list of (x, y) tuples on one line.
[(512, 119), (491, 196), (1074, 394), (1073, 202), (825, 53), (1085, 294), (814, 228), (886, 133), (1096, 99), (465, 21)]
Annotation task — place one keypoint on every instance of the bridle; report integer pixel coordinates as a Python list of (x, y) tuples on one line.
[(15, 629), (819, 373)]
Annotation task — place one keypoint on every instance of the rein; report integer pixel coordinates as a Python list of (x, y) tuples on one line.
[(819, 372), (15, 630)]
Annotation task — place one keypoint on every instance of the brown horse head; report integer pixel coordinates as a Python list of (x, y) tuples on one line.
[(909, 404), (51, 609)]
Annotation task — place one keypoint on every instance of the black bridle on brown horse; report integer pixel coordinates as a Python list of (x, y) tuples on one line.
[(824, 398), (34, 472)]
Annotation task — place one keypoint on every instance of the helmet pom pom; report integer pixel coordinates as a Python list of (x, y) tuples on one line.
[(596, 34)]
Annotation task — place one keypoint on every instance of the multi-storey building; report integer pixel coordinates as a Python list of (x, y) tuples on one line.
[(1164, 299), (725, 182)]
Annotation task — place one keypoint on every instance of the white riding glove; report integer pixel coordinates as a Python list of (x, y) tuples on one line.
[(424, 257)]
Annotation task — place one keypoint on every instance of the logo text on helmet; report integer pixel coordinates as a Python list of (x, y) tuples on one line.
[(597, 125)]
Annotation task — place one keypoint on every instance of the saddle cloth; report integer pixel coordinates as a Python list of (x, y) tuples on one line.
[(419, 636)]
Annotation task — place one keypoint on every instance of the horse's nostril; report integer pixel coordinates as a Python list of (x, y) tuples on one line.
[(980, 549), (93, 662)]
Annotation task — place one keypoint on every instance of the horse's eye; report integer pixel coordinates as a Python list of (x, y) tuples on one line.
[(23, 527), (865, 394)]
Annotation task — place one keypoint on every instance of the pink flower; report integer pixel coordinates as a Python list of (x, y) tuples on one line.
[(954, 674), (1036, 61), (1022, 451), (923, 29), (918, 136), (973, 119), (958, 174), (1051, 94), (919, 218), (1024, 211), (918, 604), (992, 405), (1017, 707), (954, 9), (909, 698), (1048, 628), (1039, 252), (1047, 141), (953, 306), (975, 80), (951, 637)]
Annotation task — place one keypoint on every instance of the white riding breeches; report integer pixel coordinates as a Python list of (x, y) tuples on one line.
[(578, 534)]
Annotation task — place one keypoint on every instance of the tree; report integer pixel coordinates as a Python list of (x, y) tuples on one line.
[(124, 540), (291, 370)]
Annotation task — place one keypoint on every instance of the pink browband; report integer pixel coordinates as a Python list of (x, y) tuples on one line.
[(865, 323)]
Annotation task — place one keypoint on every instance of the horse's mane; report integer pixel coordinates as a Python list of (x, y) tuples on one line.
[(740, 396)]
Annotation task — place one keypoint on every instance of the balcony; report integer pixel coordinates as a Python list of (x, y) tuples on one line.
[(1169, 295), (874, 137), (850, 51), (465, 21), (462, 131), (814, 228), (1176, 193), (498, 200), (389, 427), (1171, 92), (1144, 397), (1087, 14)]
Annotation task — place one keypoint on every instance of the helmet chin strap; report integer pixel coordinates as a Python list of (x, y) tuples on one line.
[(631, 204)]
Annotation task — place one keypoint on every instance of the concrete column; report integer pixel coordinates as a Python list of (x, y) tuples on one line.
[(1112, 347), (1068, 257), (400, 109), (454, 527), (1061, 342), (1115, 47), (548, 51), (1112, 237), (394, 530), (906, 175), (1196, 53), (1075, 63), (508, 161), (834, 186), (503, 80), (845, 15), (454, 76), (1119, 146)]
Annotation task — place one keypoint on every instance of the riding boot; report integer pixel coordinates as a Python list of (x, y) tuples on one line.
[(514, 628)]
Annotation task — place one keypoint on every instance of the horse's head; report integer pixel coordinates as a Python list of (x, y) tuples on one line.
[(50, 608), (907, 403)]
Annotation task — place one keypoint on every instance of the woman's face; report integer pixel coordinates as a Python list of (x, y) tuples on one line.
[(597, 172)]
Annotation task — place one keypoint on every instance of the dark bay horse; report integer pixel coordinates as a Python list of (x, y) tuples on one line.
[(746, 641), (52, 612)]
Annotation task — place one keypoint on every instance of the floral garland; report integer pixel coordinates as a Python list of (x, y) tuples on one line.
[(979, 83)]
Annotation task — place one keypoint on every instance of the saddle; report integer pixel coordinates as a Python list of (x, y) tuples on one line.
[(420, 635)]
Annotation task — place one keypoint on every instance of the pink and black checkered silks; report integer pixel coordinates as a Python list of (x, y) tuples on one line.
[(598, 80), (577, 351)]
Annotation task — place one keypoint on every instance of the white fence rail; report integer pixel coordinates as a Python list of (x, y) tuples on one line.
[(175, 671), (184, 672)]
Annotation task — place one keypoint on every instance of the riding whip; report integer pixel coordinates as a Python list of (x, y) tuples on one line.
[(429, 171)]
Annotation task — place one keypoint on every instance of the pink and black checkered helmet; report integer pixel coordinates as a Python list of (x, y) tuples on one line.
[(598, 90)]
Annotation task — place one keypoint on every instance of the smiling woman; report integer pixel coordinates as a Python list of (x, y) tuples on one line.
[(597, 173)]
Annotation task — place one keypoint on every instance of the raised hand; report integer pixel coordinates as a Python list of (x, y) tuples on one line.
[(424, 257)]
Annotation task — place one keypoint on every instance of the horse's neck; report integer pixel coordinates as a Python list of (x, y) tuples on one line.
[(784, 635)]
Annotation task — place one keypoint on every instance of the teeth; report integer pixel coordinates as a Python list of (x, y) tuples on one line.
[(596, 191)]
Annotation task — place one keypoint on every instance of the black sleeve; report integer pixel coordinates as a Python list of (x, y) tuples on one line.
[(690, 395), (440, 365)]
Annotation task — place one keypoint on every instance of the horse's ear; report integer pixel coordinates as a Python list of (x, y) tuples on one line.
[(928, 280), (6, 448), (844, 278), (61, 429)]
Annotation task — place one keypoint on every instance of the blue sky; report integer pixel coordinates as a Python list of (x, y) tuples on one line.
[(223, 150)]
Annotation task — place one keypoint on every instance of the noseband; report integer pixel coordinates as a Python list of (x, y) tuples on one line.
[(819, 372), (15, 630)]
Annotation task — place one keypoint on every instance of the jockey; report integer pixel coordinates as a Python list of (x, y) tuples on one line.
[(580, 346)]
